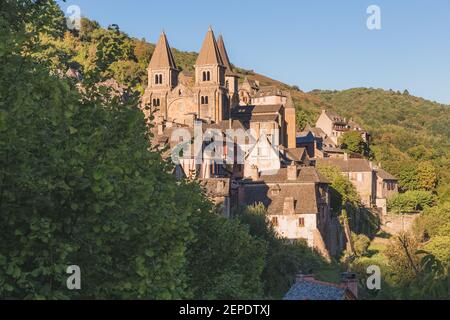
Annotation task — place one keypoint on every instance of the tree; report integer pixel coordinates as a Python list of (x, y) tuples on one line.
[(283, 260), (427, 176), (361, 244), (411, 201), (352, 141), (225, 262)]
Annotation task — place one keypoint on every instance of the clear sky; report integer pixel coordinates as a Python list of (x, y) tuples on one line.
[(320, 44)]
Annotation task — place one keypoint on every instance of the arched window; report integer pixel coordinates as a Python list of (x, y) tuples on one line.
[(204, 100), (158, 79), (206, 76), (156, 102)]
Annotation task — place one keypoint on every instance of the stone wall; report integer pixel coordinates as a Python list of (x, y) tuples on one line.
[(395, 224)]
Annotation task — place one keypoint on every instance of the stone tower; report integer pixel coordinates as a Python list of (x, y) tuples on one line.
[(162, 76), (231, 78), (212, 95)]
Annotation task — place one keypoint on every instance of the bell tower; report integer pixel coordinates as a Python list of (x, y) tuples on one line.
[(210, 70), (162, 76)]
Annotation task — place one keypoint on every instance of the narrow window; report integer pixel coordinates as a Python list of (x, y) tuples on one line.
[(160, 79), (156, 79), (301, 222)]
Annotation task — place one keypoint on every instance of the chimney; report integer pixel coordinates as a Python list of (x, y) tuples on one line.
[(349, 281), (254, 173), (292, 172), (345, 156), (288, 207)]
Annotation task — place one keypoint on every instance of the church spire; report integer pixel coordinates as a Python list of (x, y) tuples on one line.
[(162, 56), (209, 54), (224, 55)]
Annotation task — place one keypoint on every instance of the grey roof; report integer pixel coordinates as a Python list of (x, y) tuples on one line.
[(315, 290), (385, 175), (296, 154), (304, 196)]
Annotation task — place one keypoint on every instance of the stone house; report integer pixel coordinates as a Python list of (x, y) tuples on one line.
[(334, 126), (361, 174), (297, 201), (386, 187)]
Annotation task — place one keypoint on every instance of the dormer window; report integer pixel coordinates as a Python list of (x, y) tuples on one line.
[(206, 76), (158, 78)]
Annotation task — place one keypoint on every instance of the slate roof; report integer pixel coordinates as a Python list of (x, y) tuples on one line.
[(296, 154), (304, 197), (304, 174), (385, 175), (315, 290)]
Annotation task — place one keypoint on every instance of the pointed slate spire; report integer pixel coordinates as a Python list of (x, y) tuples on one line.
[(162, 56), (209, 54), (224, 54)]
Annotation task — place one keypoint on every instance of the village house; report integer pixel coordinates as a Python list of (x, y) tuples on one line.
[(360, 172), (373, 184), (297, 201), (334, 126)]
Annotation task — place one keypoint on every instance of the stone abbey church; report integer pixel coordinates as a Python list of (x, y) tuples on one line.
[(287, 183)]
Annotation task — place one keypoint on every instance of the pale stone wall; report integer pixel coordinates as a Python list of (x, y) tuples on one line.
[(363, 182), (268, 100), (395, 224), (326, 125), (288, 227)]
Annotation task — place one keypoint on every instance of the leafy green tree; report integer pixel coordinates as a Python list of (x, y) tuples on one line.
[(224, 262), (352, 141), (411, 201), (427, 176), (87, 28), (361, 244), (283, 260)]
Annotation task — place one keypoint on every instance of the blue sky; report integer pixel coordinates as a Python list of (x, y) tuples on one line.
[(320, 44)]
